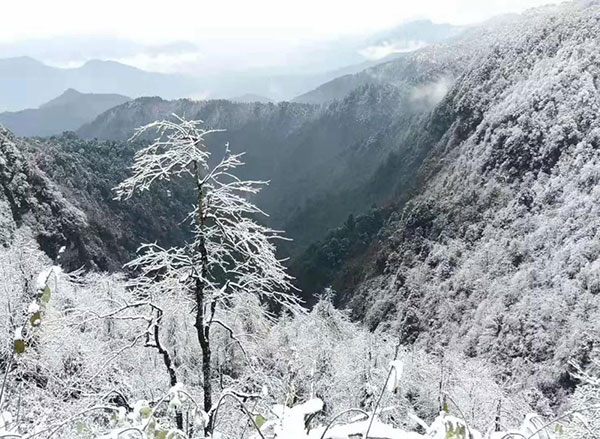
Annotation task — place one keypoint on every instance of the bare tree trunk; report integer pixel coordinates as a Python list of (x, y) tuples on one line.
[(497, 423), (201, 324), (168, 363), (203, 333)]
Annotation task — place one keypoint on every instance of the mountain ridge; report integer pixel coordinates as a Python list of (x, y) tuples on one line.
[(28, 83), (67, 112)]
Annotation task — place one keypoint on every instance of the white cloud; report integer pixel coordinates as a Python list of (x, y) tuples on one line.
[(387, 48), (432, 93), (164, 62)]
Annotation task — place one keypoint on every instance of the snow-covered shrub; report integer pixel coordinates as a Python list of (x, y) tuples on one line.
[(584, 423), (323, 355), (69, 342), (100, 348), (295, 423)]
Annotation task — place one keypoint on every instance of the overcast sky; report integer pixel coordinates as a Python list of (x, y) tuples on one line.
[(264, 27)]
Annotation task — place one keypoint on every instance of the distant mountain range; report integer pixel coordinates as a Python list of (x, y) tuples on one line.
[(65, 113), (27, 83)]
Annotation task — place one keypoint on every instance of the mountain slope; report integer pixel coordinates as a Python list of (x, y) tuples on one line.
[(67, 112), (31, 201), (447, 59), (325, 162), (309, 154), (27, 83), (498, 255)]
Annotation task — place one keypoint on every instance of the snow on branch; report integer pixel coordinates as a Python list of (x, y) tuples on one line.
[(178, 145)]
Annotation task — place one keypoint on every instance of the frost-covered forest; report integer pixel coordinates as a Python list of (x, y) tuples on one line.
[(90, 356), (409, 251), (209, 340)]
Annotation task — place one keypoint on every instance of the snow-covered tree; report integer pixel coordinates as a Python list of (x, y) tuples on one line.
[(231, 254)]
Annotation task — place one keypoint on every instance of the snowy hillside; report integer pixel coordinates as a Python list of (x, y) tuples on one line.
[(498, 257)]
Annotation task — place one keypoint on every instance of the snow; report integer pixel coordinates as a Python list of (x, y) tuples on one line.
[(5, 420), (44, 275), (19, 333), (393, 382), (378, 430), (33, 308), (290, 421), (445, 423), (290, 424)]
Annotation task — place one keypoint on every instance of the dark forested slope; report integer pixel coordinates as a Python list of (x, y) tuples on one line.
[(30, 200), (317, 159)]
